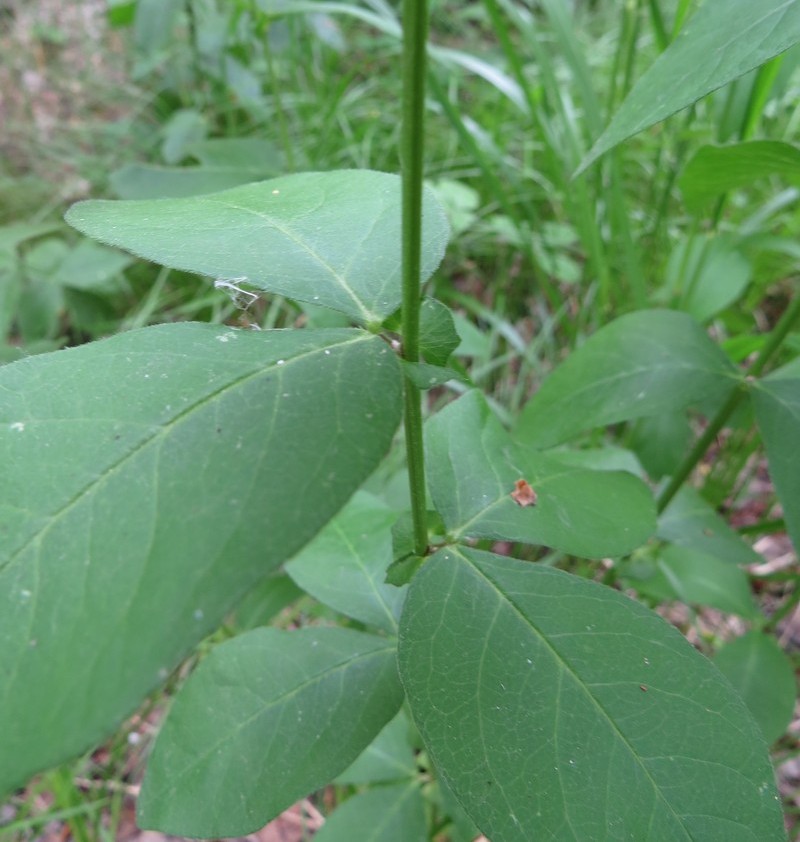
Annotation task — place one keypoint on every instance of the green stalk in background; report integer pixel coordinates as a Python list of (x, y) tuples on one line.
[(727, 409), (760, 90), (412, 141)]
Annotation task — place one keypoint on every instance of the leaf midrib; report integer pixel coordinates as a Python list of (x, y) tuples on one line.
[(161, 431), (275, 702), (287, 232), (567, 668)]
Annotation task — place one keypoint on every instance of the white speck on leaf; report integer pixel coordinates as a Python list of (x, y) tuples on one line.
[(18, 427), (198, 614)]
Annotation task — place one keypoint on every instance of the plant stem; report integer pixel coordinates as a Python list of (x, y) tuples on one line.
[(726, 410), (777, 336), (701, 446), (412, 161)]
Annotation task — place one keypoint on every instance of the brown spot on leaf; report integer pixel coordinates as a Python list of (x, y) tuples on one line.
[(523, 494)]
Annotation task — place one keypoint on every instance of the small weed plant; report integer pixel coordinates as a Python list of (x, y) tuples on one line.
[(156, 479)]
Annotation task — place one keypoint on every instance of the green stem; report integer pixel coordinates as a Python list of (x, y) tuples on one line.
[(659, 29), (700, 447), (726, 410), (763, 527), (283, 129), (776, 338), (412, 161)]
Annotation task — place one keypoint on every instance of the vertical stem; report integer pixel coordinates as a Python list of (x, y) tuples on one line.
[(283, 129), (700, 447), (412, 137), (659, 29)]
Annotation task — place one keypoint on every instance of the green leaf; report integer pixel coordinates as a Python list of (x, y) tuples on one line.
[(790, 371), (607, 458), (389, 757), (266, 718), (438, 335), (641, 364), (724, 40), (153, 24), (253, 153), (39, 309), (403, 533), (557, 708), (405, 561), (331, 238), (149, 481), (462, 829), (764, 677), (120, 13), (705, 275), (185, 127), (777, 405), (714, 170), (425, 376), (12, 235), (148, 181), (690, 522), (401, 571), (345, 565), (10, 292), (699, 579), (461, 203), (473, 469), (385, 814), (264, 601), (660, 442), (90, 266), (474, 342)]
